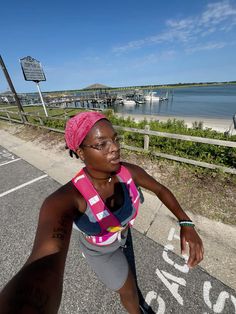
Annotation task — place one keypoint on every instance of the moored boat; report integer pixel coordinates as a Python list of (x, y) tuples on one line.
[(152, 96), (128, 102)]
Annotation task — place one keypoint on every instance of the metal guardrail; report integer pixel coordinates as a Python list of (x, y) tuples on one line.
[(146, 132)]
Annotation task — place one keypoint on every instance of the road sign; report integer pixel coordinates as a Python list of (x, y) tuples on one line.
[(32, 69)]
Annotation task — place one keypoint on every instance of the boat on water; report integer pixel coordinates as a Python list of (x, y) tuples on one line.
[(152, 96), (124, 100), (128, 102), (140, 102)]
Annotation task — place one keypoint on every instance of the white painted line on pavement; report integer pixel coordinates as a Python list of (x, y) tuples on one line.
[(22, 185), (8, 162)]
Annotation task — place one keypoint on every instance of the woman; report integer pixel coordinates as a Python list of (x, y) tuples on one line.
[(102, 200)]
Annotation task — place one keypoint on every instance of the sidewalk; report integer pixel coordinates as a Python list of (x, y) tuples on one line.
[(154, 219)]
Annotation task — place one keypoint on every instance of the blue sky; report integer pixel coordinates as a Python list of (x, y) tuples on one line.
[(119, 43)]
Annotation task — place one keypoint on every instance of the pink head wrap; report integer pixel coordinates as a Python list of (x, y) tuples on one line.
[(79, 126)]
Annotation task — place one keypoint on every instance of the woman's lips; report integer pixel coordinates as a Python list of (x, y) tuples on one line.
[(115, 161)]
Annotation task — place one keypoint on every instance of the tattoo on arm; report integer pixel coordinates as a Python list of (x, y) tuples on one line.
[(61, 231)]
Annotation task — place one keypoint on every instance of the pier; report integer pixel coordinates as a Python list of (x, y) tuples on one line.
[(100, 99)]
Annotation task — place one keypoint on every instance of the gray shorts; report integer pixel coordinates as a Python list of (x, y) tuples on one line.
[(108, 262)]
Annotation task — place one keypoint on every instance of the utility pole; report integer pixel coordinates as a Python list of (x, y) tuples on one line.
[(20, 108)]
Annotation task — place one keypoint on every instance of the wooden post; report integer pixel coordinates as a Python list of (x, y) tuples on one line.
[(40, 119), (146, 138), (23, 117), (9, 118)]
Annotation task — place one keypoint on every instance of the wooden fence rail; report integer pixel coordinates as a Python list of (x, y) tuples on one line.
[(180, 137), (146, 132)]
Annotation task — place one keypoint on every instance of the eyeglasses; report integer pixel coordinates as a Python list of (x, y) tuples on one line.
[(105, 145)]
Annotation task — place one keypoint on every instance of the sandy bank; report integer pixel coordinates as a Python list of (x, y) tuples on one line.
[(220, 125)]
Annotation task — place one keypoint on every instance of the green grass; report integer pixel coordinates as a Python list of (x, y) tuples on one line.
[(219, 155)]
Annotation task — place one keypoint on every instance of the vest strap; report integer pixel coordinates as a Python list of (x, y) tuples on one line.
[(102, 214), (110, 225)]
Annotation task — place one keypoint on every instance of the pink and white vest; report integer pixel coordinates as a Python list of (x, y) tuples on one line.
[(109, 224)]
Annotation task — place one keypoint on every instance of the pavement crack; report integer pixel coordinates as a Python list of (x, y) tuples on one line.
[(155, 215)]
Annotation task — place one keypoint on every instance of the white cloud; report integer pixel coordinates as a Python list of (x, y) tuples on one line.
[(208, 46), (218, 12), (216, 18), (152, 58)]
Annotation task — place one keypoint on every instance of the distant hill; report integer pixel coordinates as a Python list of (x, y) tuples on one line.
[(96, 86)]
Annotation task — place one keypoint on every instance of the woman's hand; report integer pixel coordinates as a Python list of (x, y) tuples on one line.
[(196, 250)]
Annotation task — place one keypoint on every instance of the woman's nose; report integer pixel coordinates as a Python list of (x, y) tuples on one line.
[(114, 146)]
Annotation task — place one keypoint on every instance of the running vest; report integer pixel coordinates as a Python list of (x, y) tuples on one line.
[(109, 224)]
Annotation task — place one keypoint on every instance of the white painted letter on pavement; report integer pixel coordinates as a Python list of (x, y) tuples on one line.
[(173, 287), (220, 302)]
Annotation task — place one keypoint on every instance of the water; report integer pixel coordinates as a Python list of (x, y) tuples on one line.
[(203, 101)]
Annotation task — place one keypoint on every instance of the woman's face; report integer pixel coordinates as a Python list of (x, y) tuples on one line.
[(102, 135)]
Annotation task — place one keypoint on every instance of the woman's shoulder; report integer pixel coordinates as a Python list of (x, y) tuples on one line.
[(67, 190), (134, 170), (131, 167), (68, 196)]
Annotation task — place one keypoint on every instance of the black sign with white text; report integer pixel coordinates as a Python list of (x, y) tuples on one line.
[(32, 69)]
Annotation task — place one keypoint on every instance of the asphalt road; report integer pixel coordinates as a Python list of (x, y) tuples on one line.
[(164, 280)]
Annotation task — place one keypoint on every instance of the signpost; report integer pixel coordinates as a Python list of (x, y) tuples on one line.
[(20, 108), (33, 71)]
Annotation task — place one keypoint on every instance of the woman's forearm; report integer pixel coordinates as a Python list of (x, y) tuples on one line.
[(169, 200)]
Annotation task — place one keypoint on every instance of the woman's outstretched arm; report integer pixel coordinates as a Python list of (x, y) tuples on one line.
[(37, 287), (188, 234)]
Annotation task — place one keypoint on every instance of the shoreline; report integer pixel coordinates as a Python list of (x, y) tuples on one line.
[(217, 124)]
